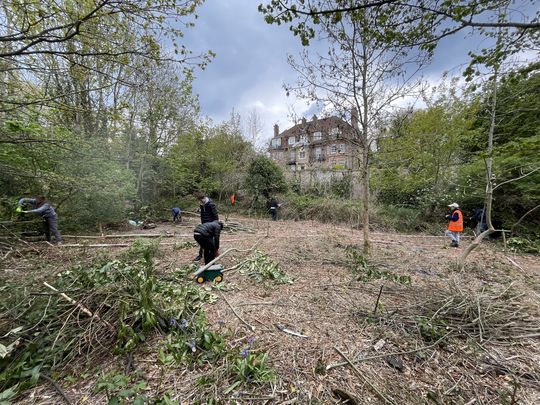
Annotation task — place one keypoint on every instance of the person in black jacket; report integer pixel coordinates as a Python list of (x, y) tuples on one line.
[(42, 207), (209, 213), (273, 206), (207, 236)]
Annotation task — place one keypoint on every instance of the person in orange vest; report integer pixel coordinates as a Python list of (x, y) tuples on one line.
[(455, 226)]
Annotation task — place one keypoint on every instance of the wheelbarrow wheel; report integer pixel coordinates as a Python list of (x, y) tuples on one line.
[(200, 279), (219, 278)]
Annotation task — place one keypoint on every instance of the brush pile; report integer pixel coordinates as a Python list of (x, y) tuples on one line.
[(90, 310), (485, 315), (236, 227)]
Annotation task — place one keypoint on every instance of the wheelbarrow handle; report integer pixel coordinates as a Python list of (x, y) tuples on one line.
[(206, 266)]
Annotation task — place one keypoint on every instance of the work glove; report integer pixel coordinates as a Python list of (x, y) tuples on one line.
[(19, 209)]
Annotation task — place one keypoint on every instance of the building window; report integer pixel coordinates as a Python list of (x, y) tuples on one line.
[(291, 140), (304, 139), (333, 149), (318, 153), (335, 133), (302, 154), (279, 155), (302, 167), (341, 148), (317, 136), (276, 142), (291, 155), (292, 168)]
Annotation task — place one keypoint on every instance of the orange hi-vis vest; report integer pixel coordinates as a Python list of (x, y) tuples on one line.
[(456, 226)]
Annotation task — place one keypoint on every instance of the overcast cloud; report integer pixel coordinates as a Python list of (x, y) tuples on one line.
[(251, 63)]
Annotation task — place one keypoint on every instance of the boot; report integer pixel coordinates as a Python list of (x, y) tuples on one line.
[(199, 257)]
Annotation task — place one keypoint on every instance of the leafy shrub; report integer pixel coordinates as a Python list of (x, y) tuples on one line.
[(404, 219), (332, 210), (265, 178)]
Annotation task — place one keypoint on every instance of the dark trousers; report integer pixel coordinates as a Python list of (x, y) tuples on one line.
[(177, 218), (208, 247), (274, 214), (50, 226)]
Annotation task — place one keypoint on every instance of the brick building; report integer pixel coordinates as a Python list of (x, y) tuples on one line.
[(324, 144)]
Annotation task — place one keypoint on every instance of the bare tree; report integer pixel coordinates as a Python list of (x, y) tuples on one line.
[(254, 128), (360, 77)]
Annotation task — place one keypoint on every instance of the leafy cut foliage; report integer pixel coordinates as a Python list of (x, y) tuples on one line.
[(260, 267), (128, 301)]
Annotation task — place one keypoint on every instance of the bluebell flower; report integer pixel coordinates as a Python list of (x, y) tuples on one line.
[(173, 322), (244, 353), (250, 340), (183, 324)]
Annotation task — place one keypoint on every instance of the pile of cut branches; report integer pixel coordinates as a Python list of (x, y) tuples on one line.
[(484, 315), (86, 312), (236, 227)]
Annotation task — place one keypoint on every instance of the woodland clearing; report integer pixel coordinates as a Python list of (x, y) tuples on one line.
[(402, 326)]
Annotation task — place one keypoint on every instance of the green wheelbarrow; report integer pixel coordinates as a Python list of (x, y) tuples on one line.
[(212, 273)]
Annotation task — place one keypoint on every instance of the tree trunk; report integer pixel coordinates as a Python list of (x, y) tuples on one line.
[(489, 179), (365, 151)]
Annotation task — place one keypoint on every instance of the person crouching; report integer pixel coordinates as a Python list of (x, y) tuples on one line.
[(207, 236)]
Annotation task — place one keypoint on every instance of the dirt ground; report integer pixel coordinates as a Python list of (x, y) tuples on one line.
[(327, 315)]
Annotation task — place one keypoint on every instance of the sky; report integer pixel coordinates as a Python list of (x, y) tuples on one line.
[(250, 66)]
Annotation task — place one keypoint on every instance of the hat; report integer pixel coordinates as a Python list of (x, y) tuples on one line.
[(454, 205)]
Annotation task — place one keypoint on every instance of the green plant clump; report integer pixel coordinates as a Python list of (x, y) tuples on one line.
[(193, 343), (366, 272), (523, 245)]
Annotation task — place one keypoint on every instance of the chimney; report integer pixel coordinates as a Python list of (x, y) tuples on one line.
[(314, 118), (276, 130), (304, 121), (354, 118)]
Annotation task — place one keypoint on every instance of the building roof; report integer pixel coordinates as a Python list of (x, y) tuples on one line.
[(320, 124)]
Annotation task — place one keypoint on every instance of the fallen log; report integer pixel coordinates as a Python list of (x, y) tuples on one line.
[(127, 235)]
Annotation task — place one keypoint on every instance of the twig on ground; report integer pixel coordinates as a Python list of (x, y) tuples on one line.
[(380, 394), (331, 366), (290, 332), (252, 328), (56, 387), (377, 302)]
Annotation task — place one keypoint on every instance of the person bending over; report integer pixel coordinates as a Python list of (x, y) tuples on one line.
[(207, 236)]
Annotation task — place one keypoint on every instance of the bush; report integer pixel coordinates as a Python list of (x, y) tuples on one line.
[(324, 209), (403, 219), (265, 178)]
